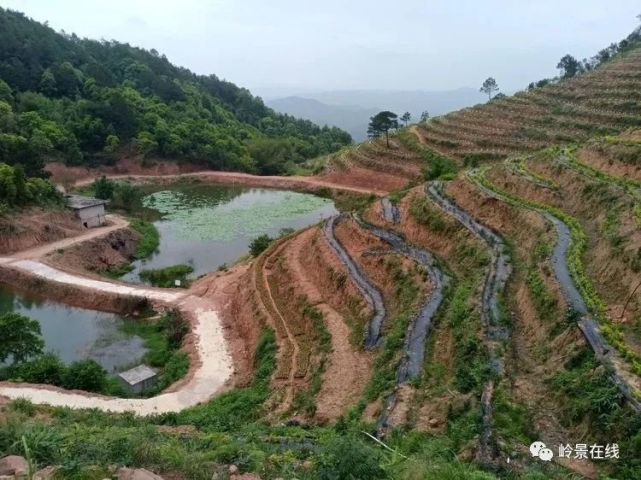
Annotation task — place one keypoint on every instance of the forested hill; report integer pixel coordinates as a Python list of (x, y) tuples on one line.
[(89, 102)]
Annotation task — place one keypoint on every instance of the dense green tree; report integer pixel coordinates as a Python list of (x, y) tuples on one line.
[(127, 197), (112, 143), (103, 188), (406, 117), (85, 375), (7, 119), (489, 87), (425, 116), (17, 190), (272, 156), (84, 102), (21, 337), (569, 66), (47, 85), (47, 369), (382, 123), (259, 244), (6, 95)]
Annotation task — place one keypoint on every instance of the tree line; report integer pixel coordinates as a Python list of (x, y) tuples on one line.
[(17, 190), (89, 102), (569, 66)]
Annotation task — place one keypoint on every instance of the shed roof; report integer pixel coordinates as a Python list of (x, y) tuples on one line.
[(138, 374), (78, 202)]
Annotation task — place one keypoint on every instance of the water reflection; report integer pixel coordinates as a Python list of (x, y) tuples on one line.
[(76, 333)]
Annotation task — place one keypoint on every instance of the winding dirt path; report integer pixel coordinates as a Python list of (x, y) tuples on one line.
[(205, 379), (272, 307), (115, 222)]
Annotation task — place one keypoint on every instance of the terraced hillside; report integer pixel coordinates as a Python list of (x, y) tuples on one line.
[(603, 101), (447, 318)]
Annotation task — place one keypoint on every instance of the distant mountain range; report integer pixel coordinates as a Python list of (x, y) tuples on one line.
[(351, 109), (353, 118)]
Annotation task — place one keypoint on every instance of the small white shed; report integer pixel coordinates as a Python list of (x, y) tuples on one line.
[(138, 379), (90, 211)]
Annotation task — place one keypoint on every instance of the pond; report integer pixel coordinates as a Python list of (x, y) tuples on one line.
[(77, 333), (207, 226)]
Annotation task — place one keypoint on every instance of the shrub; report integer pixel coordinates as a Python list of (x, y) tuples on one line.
[(259, 244), (150, 238), (47, 369), (103, 188), (85, 375), (175, 327), (439, 167), (349, 458), (21, 337), (166, 277)]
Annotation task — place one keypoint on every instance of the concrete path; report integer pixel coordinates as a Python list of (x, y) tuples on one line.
[(203, 381), (211, 363)]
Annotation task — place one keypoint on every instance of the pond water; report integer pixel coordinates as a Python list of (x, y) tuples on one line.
[(206, 226), (77, 333)]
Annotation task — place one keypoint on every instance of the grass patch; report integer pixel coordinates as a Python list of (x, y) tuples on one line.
[(166, 277), (150, 239), (545, 303), (163, 338), (118, 271), (424, 213), (471, 359), (611, 331), (346, 201)]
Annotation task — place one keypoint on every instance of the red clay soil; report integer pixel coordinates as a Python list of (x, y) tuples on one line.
[(280, 295), (348, 368), (366, 179), (85, 177), (331, 278), (68, 175), (414, 231), (245, 315), (606, 163), (358, 241), (98, 254), (258, 303), (33, 227), (610, 270), (524, 225)]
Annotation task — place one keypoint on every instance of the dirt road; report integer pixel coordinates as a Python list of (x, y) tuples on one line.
[(114, 223), (231, 178)]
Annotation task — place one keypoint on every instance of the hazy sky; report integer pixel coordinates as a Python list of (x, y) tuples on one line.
[(353, 44)]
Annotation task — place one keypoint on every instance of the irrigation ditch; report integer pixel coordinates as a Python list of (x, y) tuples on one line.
[(496, 331), (413, 354), (587, 323)]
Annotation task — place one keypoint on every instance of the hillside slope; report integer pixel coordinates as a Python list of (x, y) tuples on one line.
[(605, 100), (466, 315), (85, 101)]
